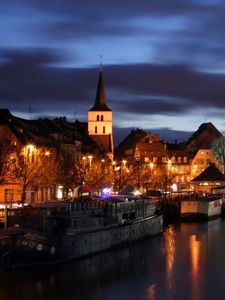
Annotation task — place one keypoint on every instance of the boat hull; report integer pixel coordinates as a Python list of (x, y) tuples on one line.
[(195, 209), (35, 248)]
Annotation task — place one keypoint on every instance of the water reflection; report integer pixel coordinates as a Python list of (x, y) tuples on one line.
[(195, 248), (187, 262), (151, 292), (170, 253), (105, 276)]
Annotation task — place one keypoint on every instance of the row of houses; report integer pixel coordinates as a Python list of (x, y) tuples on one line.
[(158, 165), (54, 141), (175, 164)]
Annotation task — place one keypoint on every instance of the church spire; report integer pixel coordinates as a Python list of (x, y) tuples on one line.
[(100, 99)]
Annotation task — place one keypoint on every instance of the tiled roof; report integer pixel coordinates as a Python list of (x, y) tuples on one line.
[(212, 173), (206, 134), (46, 132), (135, 136), (151, 150)]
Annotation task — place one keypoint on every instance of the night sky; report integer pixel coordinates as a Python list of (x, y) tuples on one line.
[(163, 61)]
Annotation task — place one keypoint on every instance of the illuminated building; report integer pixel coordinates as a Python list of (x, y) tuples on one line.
[(100, 120)]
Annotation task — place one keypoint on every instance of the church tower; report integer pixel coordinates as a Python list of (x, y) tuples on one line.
[(100, 119)]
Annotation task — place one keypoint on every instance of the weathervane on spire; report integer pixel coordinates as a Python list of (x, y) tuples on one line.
[(100, 62)]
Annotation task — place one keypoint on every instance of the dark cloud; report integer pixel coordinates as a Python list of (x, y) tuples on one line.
[(106, 7), (185, 88), (166, 134), (29, 79), (180, 43)]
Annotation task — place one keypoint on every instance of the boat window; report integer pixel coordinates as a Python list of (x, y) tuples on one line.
[(132, 215), (125, 216)]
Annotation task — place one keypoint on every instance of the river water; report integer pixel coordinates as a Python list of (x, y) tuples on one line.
[(186, 262)]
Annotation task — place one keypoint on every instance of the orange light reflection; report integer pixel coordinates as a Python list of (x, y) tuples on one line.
[(170, 253), (195, 249)]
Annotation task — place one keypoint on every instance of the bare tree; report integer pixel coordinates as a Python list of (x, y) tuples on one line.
[(6, 149), (98, 172), (27, 166)]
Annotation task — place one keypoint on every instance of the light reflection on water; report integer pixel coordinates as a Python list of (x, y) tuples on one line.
[(170, 255), (186, 262), (195, 250)]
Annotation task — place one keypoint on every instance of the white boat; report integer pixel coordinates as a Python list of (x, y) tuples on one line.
[(202, 207)]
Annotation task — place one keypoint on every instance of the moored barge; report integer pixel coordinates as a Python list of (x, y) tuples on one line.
[(58, 232)]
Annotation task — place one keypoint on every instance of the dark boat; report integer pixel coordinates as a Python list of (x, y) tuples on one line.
[(56, 232)]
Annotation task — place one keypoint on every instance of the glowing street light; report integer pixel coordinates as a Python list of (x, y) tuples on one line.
[(151, 165), (90, 157), (124, 163), (30, 152)]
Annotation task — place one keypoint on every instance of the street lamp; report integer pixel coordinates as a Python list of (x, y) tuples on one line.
[(29, 150), (124, 163), (151, 165), (90, 157), (47, 153)]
